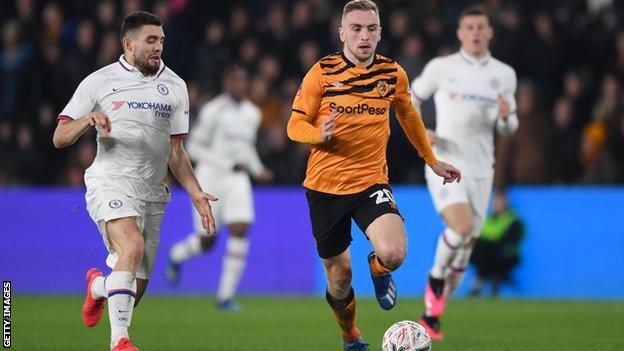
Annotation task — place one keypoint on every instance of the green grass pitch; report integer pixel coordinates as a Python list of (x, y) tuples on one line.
[(272, 323)]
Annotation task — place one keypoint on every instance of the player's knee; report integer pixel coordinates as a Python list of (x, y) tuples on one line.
[(463, 228), (392, 258)]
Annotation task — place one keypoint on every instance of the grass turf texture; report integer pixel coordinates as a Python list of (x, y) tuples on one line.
[(270, 323)]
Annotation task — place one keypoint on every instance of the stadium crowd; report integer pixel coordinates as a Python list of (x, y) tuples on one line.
[(568, 55)]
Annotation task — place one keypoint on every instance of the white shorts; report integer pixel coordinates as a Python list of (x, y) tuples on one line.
[(235, 204), (472, 191), (105, 204)]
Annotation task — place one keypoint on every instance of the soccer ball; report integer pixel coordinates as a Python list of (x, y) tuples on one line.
[(406, 336)]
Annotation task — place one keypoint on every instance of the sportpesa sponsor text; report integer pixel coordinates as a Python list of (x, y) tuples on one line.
[(358, 109)]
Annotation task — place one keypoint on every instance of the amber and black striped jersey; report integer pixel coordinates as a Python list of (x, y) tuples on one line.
[(355, 157)]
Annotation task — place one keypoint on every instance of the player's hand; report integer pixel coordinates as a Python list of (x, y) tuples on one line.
[(447, 171), (433, 137), (201, 201), (100, 121), (503, 107), (265, 177), (328, 128)]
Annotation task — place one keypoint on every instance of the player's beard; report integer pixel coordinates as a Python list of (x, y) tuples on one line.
[(142, 64)]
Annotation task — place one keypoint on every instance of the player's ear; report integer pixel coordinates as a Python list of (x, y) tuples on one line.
[(342, 34), (127, 44)]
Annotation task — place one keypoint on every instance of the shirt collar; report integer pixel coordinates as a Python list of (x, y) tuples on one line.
[(473, 61), (128, 67)]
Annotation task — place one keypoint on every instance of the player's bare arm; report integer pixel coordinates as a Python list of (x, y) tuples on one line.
[(68, 131), (181, 168)]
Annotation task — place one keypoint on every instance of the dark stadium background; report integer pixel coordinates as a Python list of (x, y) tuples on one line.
[(562, 171)]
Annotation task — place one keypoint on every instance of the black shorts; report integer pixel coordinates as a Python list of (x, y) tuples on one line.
[(331, 215)]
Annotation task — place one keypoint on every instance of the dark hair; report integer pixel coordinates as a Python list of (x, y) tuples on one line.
[(472, 11), (137, 19)]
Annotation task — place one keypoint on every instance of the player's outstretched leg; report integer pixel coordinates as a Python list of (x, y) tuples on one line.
[(93, 307), (387, 234), (344, 310), (234, 263), (385, 289), (193, 245), (121, 286)]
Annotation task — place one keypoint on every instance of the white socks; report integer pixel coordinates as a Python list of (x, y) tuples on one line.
[(455, 272), (186, 249), (98, 290), (448, 245), (233, 266), (121, 287)]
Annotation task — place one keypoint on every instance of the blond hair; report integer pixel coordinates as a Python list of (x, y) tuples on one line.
[(362, 5)]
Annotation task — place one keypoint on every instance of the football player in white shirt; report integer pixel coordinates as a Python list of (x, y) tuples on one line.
[(473, 94), (223, 145), (140, 111)]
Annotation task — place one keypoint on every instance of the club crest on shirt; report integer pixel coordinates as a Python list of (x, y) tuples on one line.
[(162, 89), (382, 88), (494, 83), (115, 204)]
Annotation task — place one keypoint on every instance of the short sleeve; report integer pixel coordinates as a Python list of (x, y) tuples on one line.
[(180, 120), (84, 99), (426, 84), (308, 97)]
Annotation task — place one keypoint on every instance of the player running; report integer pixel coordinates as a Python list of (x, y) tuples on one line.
[(140, 111), (223, 145), (474, 93), (342, 110)]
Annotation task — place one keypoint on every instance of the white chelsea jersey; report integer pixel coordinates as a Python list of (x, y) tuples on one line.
[(465, 97), (225, 135), (145, 113)]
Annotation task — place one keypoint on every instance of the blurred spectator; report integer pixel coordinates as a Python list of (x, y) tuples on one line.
[(110, 49), (497, 251), (546, 71), (54, 28), (27, 162), (19, 77), (269, 103), (308, 55), (575, 85), (566, 165), (412, 56), (82, 57), (27, 18), (210, 57), (301, 22), (601, 141), (525, 157), (58, 75), (106, 18)]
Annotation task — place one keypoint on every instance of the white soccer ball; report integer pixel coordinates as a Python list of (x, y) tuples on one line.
[(406, 336)]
